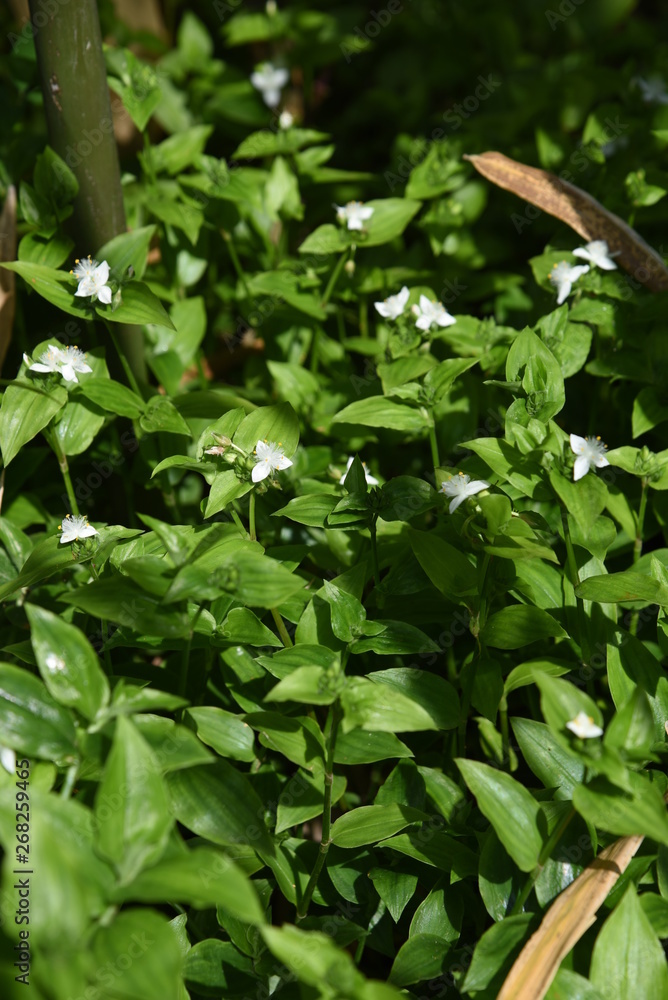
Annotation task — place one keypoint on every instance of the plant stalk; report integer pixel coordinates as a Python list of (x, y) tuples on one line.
[(282, 631), (585, 652), (77, 108), (331, 731), (544, 855)]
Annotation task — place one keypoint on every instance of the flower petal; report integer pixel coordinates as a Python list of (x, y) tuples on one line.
[(260, 471), (577, 444), (581, 467)]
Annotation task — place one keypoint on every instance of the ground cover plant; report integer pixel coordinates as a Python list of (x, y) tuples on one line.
[(333, 559)]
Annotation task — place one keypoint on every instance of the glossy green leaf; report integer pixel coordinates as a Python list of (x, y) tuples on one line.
[(369, 824), (510, 808), (519, 625), (377, 411), (27, 408), (228, 734), (31, 721), (68, 665), (628, 959), (421, 957)]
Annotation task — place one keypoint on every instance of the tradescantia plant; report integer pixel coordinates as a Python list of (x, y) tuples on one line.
[(334, 652)]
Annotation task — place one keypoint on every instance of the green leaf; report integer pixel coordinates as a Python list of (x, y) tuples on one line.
[(200, 877), (48, 557), (300, 740), (552, 763), (68, 665), (628, 960), (122, 601), (448, 569), (218, 803), (177, 152), (307, 685), (394, 637), (217, 965), (313, 958), (519, 625), (510, 808), (242, 626), (639, 811), (521, 471), (131, 804), (127, 250), (146, 936), (162, 417), (381, 708), (376, 411), (421, 957), (56, 287), (438, 698), (31, 722), (359, 747), (113, 397), (301, 798), (530, 360), (266, 143), (311, 509), (52, 253), (584, 500), (348, 614), (494, 950), (277, 424), (138, 305), (326, 239), (626, 586), (406, 497), (26, 409), (228, 734), (369, 824)]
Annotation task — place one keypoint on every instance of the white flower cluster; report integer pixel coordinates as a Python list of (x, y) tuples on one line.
[(64, 361), (427, 312), (564, 275)]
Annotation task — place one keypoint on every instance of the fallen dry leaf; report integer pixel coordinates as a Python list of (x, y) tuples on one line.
[(578, 210), (572, 913)]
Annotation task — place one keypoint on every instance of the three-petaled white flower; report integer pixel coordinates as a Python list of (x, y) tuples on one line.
[(460, 488), (93, 278), (653, 89), (8, 759), (268, 458), (65, 361), (270, 80), (564, 275), (393, 306), (584, 726), (429, 312), (590, 451), (354, 214), (54, 663), (371, 480), (597, 253), (74, 527)]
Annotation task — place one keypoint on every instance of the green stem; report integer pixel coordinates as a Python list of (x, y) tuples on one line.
[(236, 264), (185, 659), (585, 652), (237, 520), (333, 278), (374, 550), (544, 855), (51, 437), (314, 351), (637, 545), (363, 317), (505, 734), (435, 461), (251, 517), (280, 625), (127, 367), (68, 783), (331, 730)]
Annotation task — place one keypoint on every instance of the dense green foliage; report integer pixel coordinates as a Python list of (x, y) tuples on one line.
[(300, 711)]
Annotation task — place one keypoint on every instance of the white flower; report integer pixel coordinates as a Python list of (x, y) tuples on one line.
[(73, 360), (371, 480), (597, 253), (93, 278), (354, 214), (429, 312), (269, 80), (653, 89), (50, 361), (54, 663), (8, 759), (590, 451), (460, 488), (74, 527), (269, 457), (84, 268), (563, 275), (393, 307), (285, 120), (584, 726)]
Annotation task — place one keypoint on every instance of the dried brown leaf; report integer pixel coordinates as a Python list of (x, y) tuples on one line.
[(578, 210), (572, 913)]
